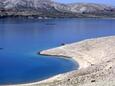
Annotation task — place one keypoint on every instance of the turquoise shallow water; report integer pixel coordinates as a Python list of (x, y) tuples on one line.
[(21, 39)]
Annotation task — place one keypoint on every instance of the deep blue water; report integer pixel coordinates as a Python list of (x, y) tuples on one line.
[(21, 39)]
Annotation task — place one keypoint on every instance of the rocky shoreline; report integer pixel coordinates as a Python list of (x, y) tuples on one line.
[(54, 16), (51, 9), (96, 58)]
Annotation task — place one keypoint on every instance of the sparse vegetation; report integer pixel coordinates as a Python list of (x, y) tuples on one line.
[(50, 9)]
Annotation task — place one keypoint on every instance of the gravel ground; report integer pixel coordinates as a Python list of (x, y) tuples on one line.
[(96, 58)]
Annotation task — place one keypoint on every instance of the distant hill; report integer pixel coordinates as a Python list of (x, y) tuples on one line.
[(49, 8)]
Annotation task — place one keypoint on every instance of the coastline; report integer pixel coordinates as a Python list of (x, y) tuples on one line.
[(96, 58), (45, 18)]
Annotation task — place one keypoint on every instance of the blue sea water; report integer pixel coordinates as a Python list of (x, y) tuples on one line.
[(21, 39)]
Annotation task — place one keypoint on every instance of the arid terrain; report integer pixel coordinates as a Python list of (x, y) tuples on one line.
[(96, 58), (51, 9)]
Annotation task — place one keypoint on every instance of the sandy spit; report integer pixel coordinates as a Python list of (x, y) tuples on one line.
[(96, 58)]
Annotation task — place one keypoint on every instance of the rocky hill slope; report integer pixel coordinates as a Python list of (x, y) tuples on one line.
[(49, 8)]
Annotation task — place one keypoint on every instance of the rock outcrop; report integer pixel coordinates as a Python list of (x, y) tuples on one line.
[(49, 8)]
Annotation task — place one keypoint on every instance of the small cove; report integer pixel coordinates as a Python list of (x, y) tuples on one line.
[(21, 39)]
